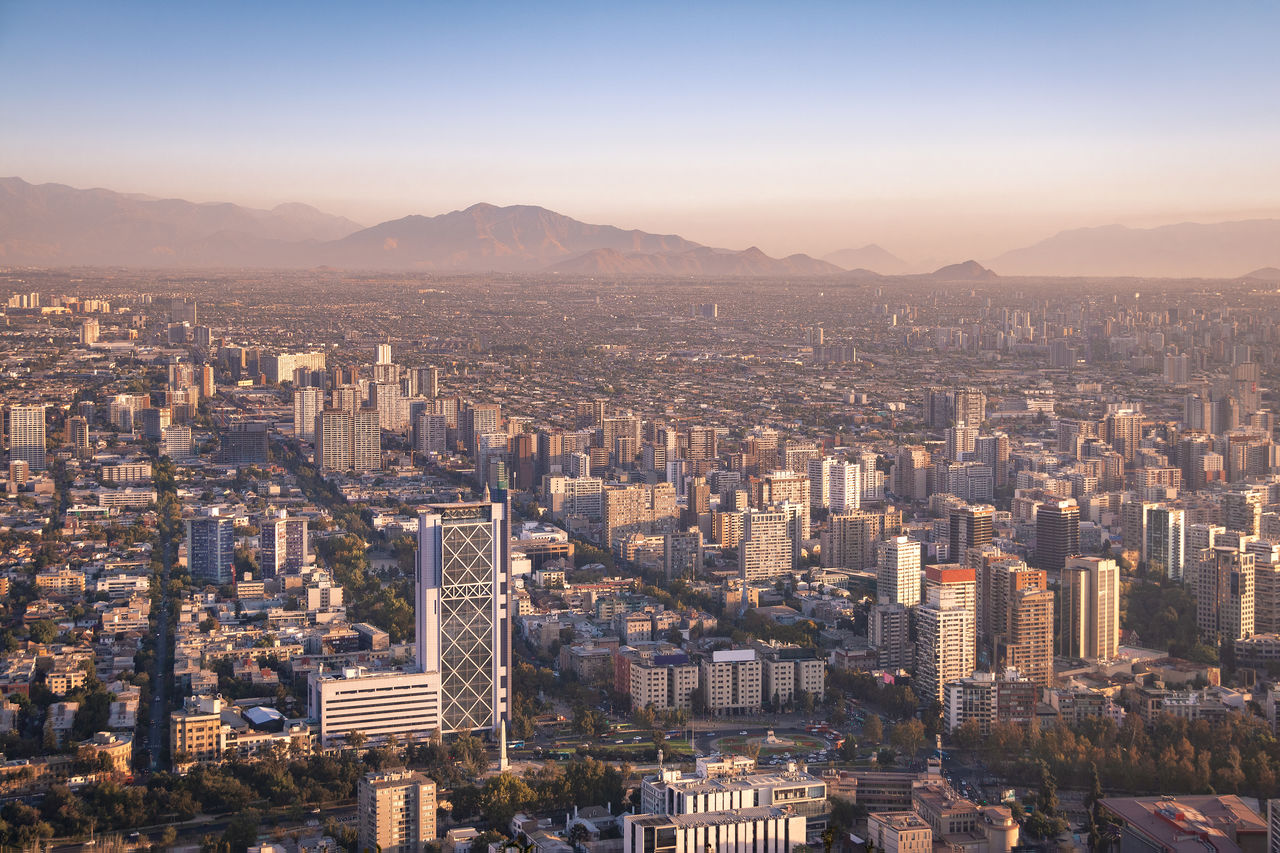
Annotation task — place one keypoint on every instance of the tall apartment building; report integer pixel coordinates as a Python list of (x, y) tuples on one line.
[(308, 403), (1027, 645), (999, 590), (430, 434), (946, 637), (195, 731), (397, 811), (889, 633), (1166, 542), (733, 681), (1224, 590), (850, 540), (845, 486), (464, 611), (27, 435), (1123, 431), (1090, 609), (1266, 586), (767, 549), (78, 435), (1242, 510), (476, 419), (943, 408), (283, 545), (898, 571), (211, 544), (787, 486), (640, 508), (1134, 518), (348, 440), (1057, 533), (280, 367), (245, 443), (175, 442), (970, 526)]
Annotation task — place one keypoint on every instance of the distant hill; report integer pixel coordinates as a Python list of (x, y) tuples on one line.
[(699, 261), (1187, 250), (53, 224), (1265, 274), (520, 238), (870, 257), (966, 271)]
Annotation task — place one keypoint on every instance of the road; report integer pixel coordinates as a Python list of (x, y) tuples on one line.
[(160, 677)]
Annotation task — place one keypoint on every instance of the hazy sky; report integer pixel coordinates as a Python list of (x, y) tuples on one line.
[(939, 130)]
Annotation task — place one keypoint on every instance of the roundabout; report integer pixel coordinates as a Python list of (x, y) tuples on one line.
[(771, 745)]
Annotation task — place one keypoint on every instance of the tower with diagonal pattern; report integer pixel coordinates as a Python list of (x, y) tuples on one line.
[(463, 612)]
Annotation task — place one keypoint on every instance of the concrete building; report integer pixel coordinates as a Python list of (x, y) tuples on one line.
[(211, 543), (195, 732), (898, 571), (946, 636), (766, 550), (1090, 609), (899, 832), (376, 704), (733, 681), (27, 435), (396, 811), (762, 829), (1224, 590)]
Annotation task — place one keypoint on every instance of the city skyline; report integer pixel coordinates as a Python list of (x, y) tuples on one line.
[(934, 131)]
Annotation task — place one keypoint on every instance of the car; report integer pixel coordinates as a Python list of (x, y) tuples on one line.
[(743, 732), (637, 738)]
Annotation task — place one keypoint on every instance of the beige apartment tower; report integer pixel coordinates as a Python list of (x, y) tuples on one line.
[(397, 811)]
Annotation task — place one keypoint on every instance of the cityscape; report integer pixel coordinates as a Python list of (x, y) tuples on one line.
[(489, 528)]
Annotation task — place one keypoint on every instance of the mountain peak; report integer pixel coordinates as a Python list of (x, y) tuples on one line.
[(964, 271)]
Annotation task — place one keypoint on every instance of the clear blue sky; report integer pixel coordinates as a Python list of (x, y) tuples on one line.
[(935, 129)]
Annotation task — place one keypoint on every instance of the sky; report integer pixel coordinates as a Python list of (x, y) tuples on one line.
[(939, 130)]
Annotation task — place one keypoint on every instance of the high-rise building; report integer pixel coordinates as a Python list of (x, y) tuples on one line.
[(478, 419), (1090, 594), (766, 549), (1242, 510), (382, 354), (898, 571), (78, 435), (701, 444), (993, 451), (1057, 533), (27, 435), (850, 540), (348, 440), (1165, 550), (961, 441), (175, 442), (1224, 590), (971, 526), (284, 545), (946, 637), (430, 436), (245, 443), (211, 545), (819, 471), (1124, 432), (1028, 643), (889, 633), (397, 809), (845, 486), (464, 612), (308, 403)]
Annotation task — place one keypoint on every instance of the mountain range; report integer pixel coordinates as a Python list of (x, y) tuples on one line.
[(54, 225), (1186, 250)]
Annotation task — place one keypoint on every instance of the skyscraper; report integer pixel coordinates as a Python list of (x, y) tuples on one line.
[(1166, 551), (1224, 590), (1090, 608), (766, 549), (464, 612), (27, 435), (78, 435), (348, 440), (307, 405), (211, 543), (846, 486), (971, 527), (284, 544), (898, 572), (1057, 533), (945, 630)]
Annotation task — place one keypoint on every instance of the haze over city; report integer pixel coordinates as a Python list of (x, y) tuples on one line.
[(939, 131), (588, 428)]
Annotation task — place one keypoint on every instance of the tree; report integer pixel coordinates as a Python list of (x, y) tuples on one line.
[(873, 729), (907, 736), (43, 632), (502, 796), (884, 758), (967, 735)]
